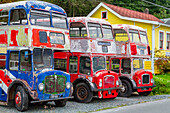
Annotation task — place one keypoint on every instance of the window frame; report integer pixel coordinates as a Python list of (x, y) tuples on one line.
[(161, 40), (4, 16), (58, 59), (9, 18), (167, 33), (57, 43), (74, 62), (21, 61), (80, 30), (97, 37), (14, 61), (115, 64), (46, 37), (125, 68), (102, 14), (84, 62), (38, 12)]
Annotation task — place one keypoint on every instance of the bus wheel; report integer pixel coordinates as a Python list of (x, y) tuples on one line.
[(21, 99), (60, 103), (126, 89), (82, 93), (144, 93)]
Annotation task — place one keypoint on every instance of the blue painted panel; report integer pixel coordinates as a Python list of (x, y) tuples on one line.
[(41, 78), (3, 95)]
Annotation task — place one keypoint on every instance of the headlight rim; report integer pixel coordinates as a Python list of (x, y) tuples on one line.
[(68, 85), (41, 87)]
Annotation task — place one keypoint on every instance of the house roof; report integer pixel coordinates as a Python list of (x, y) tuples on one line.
[(127, 14), (133, 14)]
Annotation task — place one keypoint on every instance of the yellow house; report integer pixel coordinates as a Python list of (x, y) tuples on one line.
[(158, 32)]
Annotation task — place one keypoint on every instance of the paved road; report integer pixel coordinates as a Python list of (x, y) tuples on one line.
[(96, 104), (159, 106)]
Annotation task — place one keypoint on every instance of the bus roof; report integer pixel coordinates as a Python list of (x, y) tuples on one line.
[(87, 19), (33, 4), (126, 27)]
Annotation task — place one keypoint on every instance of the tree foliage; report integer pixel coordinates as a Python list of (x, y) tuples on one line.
[(84, 7)]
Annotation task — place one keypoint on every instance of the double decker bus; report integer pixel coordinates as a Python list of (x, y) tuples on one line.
[(91, 41), (30, 32), (129, 61)]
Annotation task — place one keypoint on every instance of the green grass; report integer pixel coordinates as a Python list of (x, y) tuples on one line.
[(162, 83)]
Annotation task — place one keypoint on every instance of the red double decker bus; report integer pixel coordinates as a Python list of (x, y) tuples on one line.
[(132, 49), (91, 43)]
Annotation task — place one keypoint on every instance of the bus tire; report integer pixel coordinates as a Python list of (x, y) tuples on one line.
[(82, 93), (21, 99), (144, 93), (126, 91), (60, 103)]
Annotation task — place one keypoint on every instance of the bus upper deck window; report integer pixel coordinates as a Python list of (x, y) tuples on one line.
[(59, 21), (18, 16), (143, 37), (95, 30), (107, 32), (40, 18), (120, 35), (134, 36), (78, 29), (3, 18)]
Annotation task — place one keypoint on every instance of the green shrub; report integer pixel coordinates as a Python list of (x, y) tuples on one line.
[(162, 83)]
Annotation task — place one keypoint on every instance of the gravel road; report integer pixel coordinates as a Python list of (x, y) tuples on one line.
[(96, 104)]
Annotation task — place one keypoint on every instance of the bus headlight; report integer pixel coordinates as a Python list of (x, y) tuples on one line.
[(139, 81), (152, 81), (68, 85), (117, 83), (100, 82), (41, 86)]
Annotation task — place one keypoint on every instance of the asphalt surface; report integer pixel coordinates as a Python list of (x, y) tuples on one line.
[(159, 106), (94, 105)]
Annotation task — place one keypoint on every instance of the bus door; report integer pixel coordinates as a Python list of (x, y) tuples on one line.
[(25, 68), (73, 67), (3, 95), (115, 65)]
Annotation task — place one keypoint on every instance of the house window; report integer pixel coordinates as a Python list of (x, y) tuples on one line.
[(168, 40), (161, 40), (104, 14)]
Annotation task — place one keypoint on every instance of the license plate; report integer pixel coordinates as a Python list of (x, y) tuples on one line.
[(54, 96), (109, 92), (144, 88)]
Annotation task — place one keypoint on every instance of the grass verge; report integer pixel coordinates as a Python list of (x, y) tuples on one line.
[(162, 83)]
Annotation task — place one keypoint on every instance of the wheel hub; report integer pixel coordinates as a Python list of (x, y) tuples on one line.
[(18, 99), (123, 89), (82, 93)]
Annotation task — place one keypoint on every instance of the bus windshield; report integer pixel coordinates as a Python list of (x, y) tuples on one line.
[(107, 32), (99, 63), (137, 64), (42, 58)]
